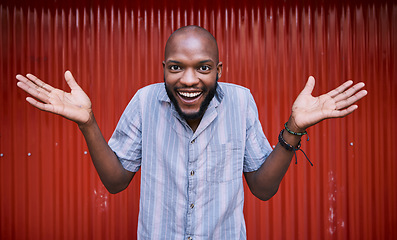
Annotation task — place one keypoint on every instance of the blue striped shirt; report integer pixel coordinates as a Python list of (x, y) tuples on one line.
[(191, 182)]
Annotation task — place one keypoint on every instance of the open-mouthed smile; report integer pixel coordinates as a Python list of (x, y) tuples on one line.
[(189, 94), (189, 97)]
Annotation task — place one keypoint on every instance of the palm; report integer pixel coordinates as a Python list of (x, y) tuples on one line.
[(308, 110), (75, 105)]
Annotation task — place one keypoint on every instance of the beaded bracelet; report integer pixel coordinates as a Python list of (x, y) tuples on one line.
[(289, 147), (294, 133)]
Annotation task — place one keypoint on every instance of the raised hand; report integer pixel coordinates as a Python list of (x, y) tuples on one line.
[(75, 106), (308, 110)]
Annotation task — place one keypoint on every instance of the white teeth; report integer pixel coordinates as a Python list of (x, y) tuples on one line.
[(189, 94)]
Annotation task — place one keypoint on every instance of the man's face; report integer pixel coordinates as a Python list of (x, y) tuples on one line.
[(191, 71)]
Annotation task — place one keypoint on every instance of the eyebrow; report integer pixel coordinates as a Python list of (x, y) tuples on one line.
[(205, 61), (173, 61)]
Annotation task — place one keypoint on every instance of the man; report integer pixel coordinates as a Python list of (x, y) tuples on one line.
[(192, 139)]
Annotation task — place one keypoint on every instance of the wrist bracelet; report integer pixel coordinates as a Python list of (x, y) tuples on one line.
[(289, 147), (294, 133), (286, 145)]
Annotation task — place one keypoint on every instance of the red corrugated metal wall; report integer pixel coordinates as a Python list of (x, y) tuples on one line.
[(49, 188)]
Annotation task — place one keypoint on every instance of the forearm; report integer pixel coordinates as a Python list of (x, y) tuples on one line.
[(265, 182), (112, 174), (306, 111), (76, 106)]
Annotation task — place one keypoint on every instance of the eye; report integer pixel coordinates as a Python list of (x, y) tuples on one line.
[(174, 68), (205, 68)]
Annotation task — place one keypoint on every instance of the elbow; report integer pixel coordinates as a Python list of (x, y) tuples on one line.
[(266, 194), (114, 188), (114, 191), (117, 184), (263, 188)]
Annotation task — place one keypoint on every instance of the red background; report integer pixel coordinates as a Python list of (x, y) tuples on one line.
[(49, 188)]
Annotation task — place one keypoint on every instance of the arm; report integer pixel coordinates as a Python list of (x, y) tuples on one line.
[(306, 111), (76, 106)]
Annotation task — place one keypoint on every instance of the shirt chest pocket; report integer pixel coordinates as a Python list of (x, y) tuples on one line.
[(224, 162)]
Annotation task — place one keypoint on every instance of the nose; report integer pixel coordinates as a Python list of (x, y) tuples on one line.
[(189, 77)]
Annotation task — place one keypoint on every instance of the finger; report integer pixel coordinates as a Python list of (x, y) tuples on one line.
[(71, 81), (340, 89), (28, 85), (343, 112), (26, 81), (349, 92), (38, 93), (40, 105), (21, 78), (39, 83), (308, 89), (349, 101)]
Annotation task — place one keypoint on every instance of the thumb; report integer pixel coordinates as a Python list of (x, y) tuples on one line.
[(71, 81), (308, 89)]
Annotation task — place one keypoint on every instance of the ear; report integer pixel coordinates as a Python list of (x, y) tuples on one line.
[(219, 68)]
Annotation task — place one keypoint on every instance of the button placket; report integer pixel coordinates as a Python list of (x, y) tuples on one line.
[(192, 185)]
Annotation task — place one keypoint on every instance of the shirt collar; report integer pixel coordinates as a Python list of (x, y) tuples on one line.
[(162, 96)]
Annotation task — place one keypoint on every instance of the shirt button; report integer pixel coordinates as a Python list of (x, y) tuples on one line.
[(189, 238), (192, 173), (192, 205)]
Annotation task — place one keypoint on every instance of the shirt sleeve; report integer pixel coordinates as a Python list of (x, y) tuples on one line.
[(257, 147), (126, 141)]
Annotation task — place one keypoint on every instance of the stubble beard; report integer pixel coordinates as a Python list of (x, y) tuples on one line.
[(203, 106)]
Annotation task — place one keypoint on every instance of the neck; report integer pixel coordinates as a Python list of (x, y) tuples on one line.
[(194, 123)]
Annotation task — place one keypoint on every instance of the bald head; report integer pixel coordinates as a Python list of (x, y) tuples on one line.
[(192, 37)]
